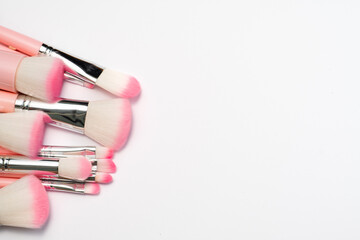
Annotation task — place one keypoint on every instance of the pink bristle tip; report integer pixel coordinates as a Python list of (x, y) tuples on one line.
[(84, 168), (132, 89), (106, 165), (104, 152), (40, 202), (124, 126), (92, 188), (54, 80), (37, 134), (103, 178)]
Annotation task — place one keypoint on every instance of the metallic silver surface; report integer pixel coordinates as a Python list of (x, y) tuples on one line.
[(78, 71), (56, 178), (63, 151), (61, 186), (23, 165), (67, 114)]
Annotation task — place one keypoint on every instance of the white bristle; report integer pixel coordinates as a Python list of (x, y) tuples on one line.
[(92, 188), (24, 203), (22, 132), (104, 152), (40, 77), (109, 122), (78, 168), (119, 84), (106, 165)]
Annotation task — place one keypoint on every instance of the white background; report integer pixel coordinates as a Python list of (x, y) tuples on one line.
[(247, 126)]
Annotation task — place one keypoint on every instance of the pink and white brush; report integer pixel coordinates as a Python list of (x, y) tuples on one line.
[(24, 203), (106, 121), (78, 70), (22, 132), (40, 77)]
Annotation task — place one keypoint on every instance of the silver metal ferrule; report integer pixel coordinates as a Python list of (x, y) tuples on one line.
[(62, 186), (67, 114), (57, 178), (63, 151), (79, 71), (23, 165)]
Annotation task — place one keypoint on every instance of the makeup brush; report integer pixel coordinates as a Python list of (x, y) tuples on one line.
[(41, 77), (22, 132), (24, 203), (60, 186), (106, 121), (81, 71), (77, 168), (90, 152)]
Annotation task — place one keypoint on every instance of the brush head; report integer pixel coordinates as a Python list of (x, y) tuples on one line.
[(119, 84), (104, 152), (78, 168), (24, 203), (106, 166), (40, 77), (109, 122), (103, 177), (22, 132), (92, 188)]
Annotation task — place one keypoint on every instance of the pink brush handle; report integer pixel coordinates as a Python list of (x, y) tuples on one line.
[(19, 41), (4, 181), (7, 101)]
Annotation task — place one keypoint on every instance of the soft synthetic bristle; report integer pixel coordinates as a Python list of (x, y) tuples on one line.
[(103, 178), (104, 152), (119, 84), (106, 165), (78, 168), (24, 203), (22, 132), (109, 122), (92, 188), (40, 77)]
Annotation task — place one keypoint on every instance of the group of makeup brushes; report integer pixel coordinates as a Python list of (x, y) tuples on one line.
[(31, 79)]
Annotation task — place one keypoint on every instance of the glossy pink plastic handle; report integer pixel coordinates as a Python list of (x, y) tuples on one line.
[(19, 41)]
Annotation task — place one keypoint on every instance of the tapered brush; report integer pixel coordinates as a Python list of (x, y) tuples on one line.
[(22, 132), (106, 121), (77, 168), (81, 71), (60, 185), (24, 203), (41, 77), (90, 152)]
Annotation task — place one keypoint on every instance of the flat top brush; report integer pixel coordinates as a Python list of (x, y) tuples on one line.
[(79, 70), (24, 203), (106, 121), (22, 132), (40, 77)]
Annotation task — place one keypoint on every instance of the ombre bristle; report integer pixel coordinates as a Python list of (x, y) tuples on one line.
[(24, 203), (92, 188), (119, 84), (104, 152), (103, 177), (106, 165), (78, 168)]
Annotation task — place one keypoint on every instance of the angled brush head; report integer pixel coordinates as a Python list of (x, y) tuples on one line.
[(104, 152), (22, 132), (24, 203), (119, 84), (106, 165), (109, 122), (78, 168), (40, 77)]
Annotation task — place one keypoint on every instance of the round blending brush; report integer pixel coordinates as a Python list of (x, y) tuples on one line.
[(40, 77), (59, 185), (77, 168), (78, 70), (22, 132), (24, 203), (106, 121)]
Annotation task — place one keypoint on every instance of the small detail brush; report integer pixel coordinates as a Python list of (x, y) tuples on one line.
[(78, 70), (78, 168), (24, 203), (106, 121), (22, 132)]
